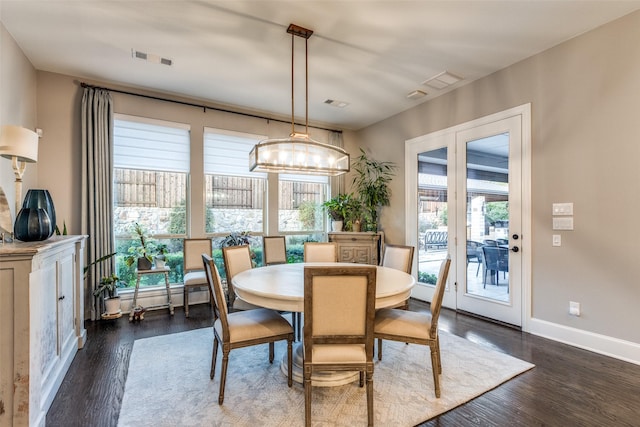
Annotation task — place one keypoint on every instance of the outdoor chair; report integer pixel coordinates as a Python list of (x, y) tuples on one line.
[(194, 275), (243, 328), (495, 260), (339, 308), (474, 254), (320, 252), (413, 327)]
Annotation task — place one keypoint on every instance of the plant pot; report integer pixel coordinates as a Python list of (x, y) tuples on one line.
[(160, 262), (144, 263), (112, 305), (336, 225), (356, 226)]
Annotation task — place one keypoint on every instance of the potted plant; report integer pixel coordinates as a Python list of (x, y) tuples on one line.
[(140, 252), (336, 208), (108, 289), (160, 257), (239, 239), (353, 214), (371, 181)]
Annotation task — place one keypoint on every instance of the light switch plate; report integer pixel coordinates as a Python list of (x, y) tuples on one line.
[(563, 223), (563, 209)]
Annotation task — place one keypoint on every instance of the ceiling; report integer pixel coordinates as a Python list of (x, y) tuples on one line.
[(369, 54)]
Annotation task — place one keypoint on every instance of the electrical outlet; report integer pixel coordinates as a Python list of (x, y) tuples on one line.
[(557, 240), (574, 308)]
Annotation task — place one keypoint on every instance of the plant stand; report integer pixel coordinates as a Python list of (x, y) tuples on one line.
[(139, 273)]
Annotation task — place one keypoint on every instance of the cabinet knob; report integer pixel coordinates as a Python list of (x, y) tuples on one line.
[(61, 298)]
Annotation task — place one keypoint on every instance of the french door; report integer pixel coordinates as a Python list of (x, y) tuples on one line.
[(467, 193)]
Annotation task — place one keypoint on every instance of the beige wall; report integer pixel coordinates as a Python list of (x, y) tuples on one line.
[(585, 97), (17, 107)]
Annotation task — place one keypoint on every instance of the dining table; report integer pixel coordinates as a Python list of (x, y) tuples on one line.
[(281, 287)]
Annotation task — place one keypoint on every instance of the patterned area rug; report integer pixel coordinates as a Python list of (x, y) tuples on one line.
[(168, 385)]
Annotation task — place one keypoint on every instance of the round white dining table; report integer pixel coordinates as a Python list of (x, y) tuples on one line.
[(281, 287)]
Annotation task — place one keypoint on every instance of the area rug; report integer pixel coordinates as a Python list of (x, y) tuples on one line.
[(168, 385)]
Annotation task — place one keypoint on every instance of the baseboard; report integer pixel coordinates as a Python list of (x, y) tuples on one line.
[(602, 344), (158, 295)]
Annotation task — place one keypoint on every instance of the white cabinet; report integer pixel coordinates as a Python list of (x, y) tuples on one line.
[(41, 324)]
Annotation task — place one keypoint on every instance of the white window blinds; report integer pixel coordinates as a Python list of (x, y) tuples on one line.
[(227, 153), (147, 144)]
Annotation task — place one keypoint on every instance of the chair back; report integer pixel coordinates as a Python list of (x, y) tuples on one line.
[(274, 250), (490, 242), (320, 252), (193, 249), (236, 260), (491, 255), (339, 307), (219, 301), (398, 257), (503, 259), (438, 295)]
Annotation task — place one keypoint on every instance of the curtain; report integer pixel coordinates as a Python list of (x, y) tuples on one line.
[(337, 182), (97, 174)]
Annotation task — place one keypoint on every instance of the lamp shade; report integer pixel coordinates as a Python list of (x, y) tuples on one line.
[(298, 154), (19, 142)]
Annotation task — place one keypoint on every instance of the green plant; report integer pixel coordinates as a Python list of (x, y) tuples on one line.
[(236, 239), (143, 247), (308, 214), (371, 181), (353, 211), (64, 229), (108, 285), (336, 207)]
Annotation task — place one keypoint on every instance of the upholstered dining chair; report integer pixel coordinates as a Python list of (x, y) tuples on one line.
[(194, 276), (339, 308), (236, 260), (399, 257), (242, 328), (274, 251), (320, 252), (413, 327)]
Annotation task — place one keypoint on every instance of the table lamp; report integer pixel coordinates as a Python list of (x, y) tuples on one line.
[(21, 146)]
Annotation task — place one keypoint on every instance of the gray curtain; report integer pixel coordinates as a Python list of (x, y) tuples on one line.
[(97, 174)]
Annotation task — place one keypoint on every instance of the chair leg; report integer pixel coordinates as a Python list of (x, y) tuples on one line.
[(370, 397), (213, 358), (223, 376), (361, 378), (271, 352), (307, 398), (434, 369), (438, 353), (185, 298)]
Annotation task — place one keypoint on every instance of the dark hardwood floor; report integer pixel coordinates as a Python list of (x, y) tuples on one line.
[(568, 386)]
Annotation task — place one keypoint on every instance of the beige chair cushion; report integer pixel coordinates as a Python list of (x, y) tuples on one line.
[(402, 323), (254, 324), (195, 278), (338, 353)]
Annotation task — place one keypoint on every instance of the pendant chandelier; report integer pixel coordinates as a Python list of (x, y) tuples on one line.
[(298, 153)]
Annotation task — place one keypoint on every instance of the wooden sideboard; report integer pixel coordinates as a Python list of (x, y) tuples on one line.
[(361, 248), (41, 323)]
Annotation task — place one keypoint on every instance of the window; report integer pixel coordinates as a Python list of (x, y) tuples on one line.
[(150, 178)]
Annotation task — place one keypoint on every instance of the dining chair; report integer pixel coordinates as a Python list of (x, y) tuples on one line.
[(194, 276), (400, 258), (339, 308), (414, 327), (274, 251), (242, 328), (320, 252), (236, 260)]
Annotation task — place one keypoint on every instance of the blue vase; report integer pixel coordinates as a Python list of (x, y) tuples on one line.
[(32, 225), (41, 199)]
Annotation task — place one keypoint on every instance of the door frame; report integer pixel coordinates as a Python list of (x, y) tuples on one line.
[(447, 138)]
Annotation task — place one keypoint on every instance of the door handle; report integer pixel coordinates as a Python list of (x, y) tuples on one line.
[(515, 249)]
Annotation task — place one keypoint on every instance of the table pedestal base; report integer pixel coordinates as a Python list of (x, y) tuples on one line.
[(318, 379)]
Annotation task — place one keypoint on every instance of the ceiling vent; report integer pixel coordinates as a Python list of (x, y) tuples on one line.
[(336, 103), (416, 94), (149, 57), (442, 80)]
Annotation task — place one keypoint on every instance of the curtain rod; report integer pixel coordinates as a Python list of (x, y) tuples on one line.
[(204, 107)]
